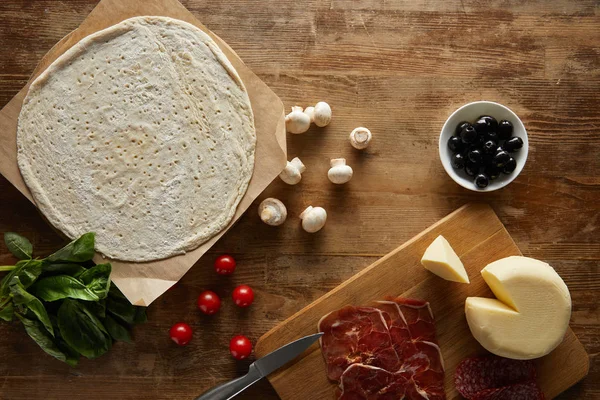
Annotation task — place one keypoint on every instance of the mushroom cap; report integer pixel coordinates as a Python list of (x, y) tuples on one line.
[(322, 114), (313, 219), (272, 211), (360, 138), (297, 121), (340, 174), (310, 111)]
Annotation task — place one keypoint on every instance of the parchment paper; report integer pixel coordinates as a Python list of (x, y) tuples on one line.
[(143, 283)]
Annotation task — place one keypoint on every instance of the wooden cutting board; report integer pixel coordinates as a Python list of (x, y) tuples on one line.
[(478, 237)]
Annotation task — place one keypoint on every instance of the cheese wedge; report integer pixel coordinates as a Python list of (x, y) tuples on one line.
[(531, 312), (441, 259)]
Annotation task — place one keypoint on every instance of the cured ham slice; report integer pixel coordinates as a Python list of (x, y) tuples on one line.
[(386, 351), (365, 382), (356, 335)]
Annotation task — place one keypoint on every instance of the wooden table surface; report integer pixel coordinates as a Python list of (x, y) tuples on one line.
[(399, 68)]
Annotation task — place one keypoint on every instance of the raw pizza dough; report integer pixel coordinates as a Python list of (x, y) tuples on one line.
[(142, 133)]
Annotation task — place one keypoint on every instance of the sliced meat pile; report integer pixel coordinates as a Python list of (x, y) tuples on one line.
[(497, 378), (387, 351)]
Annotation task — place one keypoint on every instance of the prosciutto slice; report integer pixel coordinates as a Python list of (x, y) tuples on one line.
[(356, 335), (385, 351)]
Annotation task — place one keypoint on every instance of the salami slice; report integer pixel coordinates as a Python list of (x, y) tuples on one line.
[(480, 373), (520, 391)]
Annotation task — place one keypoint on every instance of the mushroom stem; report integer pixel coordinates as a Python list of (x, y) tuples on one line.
[(299, 165)]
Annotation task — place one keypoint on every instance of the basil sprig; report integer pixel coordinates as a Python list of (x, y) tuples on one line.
[(67, 305)]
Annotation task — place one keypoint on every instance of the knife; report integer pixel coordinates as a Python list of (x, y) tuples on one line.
[(261, 368)]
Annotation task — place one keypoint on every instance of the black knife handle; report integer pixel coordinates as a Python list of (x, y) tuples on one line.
[(228, 390)]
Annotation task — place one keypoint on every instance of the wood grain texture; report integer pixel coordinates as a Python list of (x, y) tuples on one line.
[(479, 238), (399, 68)]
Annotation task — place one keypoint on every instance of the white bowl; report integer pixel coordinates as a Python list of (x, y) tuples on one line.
[(470, 112)]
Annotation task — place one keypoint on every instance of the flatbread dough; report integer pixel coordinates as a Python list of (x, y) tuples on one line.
[(142, 133)]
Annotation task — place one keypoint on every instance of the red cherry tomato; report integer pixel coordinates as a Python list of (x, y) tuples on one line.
[(209, 302), (243, 296), (225, 265), (181, 333), (240, 347)]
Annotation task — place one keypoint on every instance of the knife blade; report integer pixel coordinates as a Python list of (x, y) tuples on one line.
[(277, 358), (261, 368)]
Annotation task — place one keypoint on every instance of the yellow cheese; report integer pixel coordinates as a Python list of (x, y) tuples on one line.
[(530, 314), (441, 259)]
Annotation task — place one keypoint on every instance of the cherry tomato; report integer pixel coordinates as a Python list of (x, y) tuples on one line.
[(225, 265), (243, 296), (181, 333), (240, 347), (209, 302)]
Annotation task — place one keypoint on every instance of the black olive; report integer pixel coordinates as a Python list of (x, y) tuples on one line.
[(481, 126), (461, 125), (491, 136), (510, 166), (505, 129), (492, 172), (471, 169), (501, 158), (490, 147), (475, 156), (488, 159), (468, 134), (455, 144), (513, 144), (492, 122), (486, 123), (481, 181), (458, 161)]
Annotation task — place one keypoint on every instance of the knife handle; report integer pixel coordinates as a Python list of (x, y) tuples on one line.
[(229, 389)]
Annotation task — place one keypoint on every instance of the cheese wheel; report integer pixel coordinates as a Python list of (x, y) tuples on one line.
[(531, 312)]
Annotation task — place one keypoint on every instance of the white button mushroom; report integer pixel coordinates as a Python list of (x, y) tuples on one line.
[(339, 172), (292, 173), (313, 219), (297, 121), (272, 212), (360, 138), (320, 114), (310, 111)]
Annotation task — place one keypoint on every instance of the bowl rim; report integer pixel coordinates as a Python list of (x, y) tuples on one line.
[(469, 184)]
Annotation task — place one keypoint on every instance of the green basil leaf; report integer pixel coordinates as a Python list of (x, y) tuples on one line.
[(27, 272), (72, 354), (82, 330), (98, 308), (60, 287), (79, 250), (7, 312), (116, 330), (19, 246), (140, 315), (115, 293), (22, 298), (121, 309), (97, 279), (73, 270), (35, 329)]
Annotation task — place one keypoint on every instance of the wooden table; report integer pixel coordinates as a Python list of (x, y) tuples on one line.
[(398, 68)]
